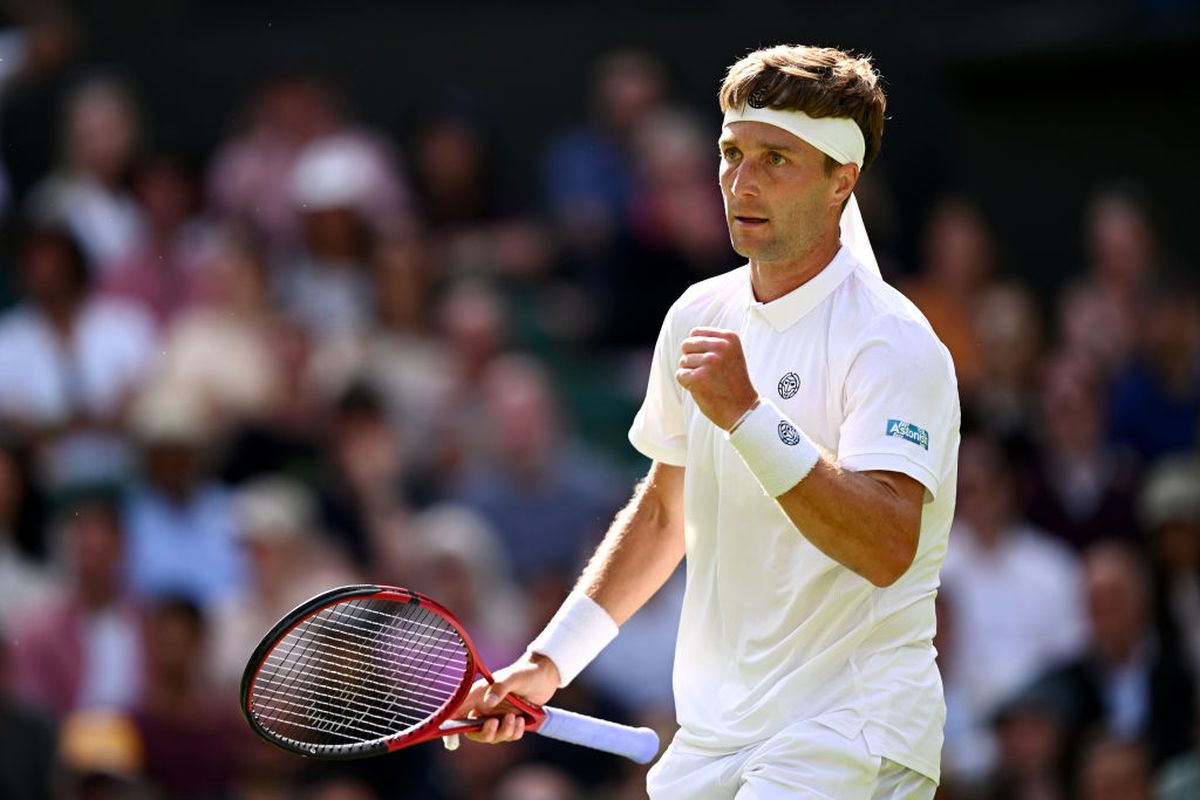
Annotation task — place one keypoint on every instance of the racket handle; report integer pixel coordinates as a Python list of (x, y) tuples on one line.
[(638, 744)]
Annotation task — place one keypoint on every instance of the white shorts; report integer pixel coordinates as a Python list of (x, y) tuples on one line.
[(804, 760)]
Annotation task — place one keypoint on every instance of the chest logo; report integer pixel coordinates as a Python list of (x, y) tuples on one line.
[(788, 385), (909, 432), (788, 434)]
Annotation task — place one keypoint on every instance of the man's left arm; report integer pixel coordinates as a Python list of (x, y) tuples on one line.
[(869, 522), (864, 513)]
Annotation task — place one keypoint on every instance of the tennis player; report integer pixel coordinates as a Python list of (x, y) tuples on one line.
[(802, 419)]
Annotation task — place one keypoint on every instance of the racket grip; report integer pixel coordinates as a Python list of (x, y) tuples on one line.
[(638, 744)]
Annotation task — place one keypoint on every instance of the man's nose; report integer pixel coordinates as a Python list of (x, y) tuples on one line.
[(744, 181)]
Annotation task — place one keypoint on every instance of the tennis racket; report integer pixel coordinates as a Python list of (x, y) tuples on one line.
[(363, 670)]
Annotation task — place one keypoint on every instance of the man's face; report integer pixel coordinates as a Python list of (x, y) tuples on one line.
[(779, 203)]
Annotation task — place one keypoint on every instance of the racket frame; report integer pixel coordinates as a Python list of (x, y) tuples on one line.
[(435, 726)]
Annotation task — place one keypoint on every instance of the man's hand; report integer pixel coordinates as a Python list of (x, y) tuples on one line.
[(713, 368), (532, 677)]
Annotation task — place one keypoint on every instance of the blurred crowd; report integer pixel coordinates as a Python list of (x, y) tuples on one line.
[(321, 353)]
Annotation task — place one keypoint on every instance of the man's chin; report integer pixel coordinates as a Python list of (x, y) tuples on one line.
[(758, 251)]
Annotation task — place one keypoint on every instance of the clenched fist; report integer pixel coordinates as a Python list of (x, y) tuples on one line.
[(713, 368)]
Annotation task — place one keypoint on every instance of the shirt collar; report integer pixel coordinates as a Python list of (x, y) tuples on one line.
[(786, 311)]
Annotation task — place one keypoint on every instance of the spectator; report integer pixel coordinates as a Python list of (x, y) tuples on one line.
[(1123, 265), (675, 208), (1089, 324), (1121, 241), (1156, 400), (460, 561), (969, 750), (474, 324), (163, 272), (39, 42), (401, 354), (959, 265), (547, 499), (1013, 592), (1082, 488), (677, 234), (288, 563), (1126, 683), (365, 490), (286, 438), (455, 171), (101, 752), (1008, 335), (252, 175), (1170, 515), (191, 733), (1033, 754), (87, 192), (70, 361), (85, 650), (224, 351), (1115, 769), (182, 537), (588, 171), (27, 741), (25, 583), (1179, 778), (326, 285)]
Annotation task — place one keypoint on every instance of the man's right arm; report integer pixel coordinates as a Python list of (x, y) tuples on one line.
[(642, 548)]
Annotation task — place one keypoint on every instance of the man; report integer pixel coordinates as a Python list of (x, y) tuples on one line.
[(70, 360), (803, 422)]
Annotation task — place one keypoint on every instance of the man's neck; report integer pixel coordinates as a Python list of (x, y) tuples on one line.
[(771, 280)]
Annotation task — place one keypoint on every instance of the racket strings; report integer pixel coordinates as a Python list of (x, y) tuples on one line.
[(359, 671), (349, 655), (347, 691)]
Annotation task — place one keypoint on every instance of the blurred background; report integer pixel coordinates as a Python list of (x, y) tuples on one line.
[(299, 294)]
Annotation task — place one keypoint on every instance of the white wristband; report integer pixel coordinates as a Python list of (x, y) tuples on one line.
[(778, 453), (575, 636)]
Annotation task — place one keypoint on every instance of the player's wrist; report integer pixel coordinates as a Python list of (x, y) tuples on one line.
[(737, 423), (776, 451), (574, 636), (545, 667)]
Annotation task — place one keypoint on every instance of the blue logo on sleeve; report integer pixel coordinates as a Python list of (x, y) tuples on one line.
[(906, 430)]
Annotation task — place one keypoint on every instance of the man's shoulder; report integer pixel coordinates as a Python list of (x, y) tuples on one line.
[(869, 310), (874, 301)]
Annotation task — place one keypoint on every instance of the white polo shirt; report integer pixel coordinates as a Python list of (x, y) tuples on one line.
[(773, 631)]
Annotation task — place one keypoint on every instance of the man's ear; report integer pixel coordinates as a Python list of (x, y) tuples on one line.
[(845, 178)]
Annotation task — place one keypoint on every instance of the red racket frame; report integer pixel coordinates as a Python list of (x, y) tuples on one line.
[(426, 731)]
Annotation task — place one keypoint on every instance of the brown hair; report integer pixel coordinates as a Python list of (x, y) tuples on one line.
[(820, 81)]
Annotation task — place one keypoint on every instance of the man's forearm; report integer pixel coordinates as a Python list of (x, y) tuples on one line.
[(867, 521), (642, 547)]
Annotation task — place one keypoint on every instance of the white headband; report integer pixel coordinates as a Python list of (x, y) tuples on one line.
[(840, 138)]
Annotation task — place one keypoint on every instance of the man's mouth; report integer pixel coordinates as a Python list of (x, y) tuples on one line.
[(746, 219)]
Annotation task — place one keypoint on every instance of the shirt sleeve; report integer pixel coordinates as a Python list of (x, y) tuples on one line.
[(659, 429), (901, 405)]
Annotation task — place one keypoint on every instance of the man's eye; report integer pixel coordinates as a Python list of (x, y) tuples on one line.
[(731, 153), (776, 159)]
